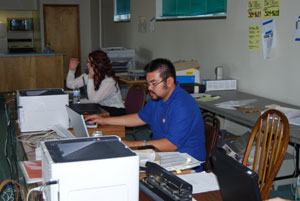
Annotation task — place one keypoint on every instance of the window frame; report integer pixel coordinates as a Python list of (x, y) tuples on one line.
[(159, 14), (121, 17)]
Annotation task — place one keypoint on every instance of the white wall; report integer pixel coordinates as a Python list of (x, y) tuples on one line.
[(216, 42), (18, 4)]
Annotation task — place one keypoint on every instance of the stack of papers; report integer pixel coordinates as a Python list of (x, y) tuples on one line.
[(200, 95), (201, 182), (231, 105), (176, 161), (207, 98), (171, 161), (293, 115), (32, 171)]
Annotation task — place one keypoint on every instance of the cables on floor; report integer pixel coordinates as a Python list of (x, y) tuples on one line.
[(40, 188), (17, 186)]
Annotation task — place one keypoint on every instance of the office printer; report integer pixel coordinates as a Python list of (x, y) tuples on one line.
[(122, 59), (40, 109), (95, 168)]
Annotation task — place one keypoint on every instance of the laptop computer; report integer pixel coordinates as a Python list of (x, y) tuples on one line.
[(87, 108), (77, 123), (236, 181)]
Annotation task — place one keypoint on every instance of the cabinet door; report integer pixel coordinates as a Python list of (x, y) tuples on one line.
[(61, 30)]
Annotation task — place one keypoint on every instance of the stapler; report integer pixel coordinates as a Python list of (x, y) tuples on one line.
[(161, 185)]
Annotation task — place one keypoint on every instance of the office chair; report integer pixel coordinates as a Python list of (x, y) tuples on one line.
[(212, 128), (135, 99), (269, 140), (134, 102)]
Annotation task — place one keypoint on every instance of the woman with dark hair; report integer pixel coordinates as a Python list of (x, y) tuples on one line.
[(102, 84)]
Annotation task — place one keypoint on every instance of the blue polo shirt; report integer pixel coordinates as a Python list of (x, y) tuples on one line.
[(179, 120)]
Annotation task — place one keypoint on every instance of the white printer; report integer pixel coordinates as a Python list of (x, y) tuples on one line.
[(94, 168), (41, 109), (122, 59)]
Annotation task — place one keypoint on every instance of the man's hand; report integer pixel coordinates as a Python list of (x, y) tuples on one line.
[(96, 118), (73, 63)]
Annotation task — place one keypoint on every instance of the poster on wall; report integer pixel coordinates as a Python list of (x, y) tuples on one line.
[(253, 38), (297, 31), (271, 8), (268, 34), (254, 8)]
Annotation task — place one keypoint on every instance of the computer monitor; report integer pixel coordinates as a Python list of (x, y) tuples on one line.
[(236, 181)]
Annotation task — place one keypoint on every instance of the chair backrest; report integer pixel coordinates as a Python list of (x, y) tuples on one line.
[(135, 99), (269, 141), (212, 128)]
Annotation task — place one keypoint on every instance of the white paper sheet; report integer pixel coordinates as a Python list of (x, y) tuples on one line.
[(176, 161), (201, 182), (230, 105)]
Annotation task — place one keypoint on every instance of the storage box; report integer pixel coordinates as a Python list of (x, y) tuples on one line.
[(184, 65), (41, 109), (187, 71), (191, 75)]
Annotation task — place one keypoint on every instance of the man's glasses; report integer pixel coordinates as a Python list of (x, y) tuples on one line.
[(154, 84)]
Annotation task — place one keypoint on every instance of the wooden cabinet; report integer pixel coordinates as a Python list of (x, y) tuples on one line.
[(31, 72)]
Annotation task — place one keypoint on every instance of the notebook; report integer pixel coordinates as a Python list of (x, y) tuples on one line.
[(236, 181), (77, 123)]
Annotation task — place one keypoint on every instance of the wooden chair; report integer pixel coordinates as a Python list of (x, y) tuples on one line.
[(212, 128), (269, 139)]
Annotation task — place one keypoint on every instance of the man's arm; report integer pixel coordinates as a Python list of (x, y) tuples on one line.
[(161, 144), (130, 120)]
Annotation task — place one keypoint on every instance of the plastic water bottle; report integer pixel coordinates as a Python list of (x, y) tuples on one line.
[(76, 95)]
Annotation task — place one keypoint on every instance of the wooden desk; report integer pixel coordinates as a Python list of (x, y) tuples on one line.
[(208, 196), (106, 130), (130, 81)]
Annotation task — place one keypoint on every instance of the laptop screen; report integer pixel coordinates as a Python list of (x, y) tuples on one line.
[(77, 123), (236, 181)]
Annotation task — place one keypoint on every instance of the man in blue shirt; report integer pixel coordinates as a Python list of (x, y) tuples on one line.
[(174, 116)]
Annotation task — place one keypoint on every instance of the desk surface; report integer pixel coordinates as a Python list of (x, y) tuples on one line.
[(246, 119)]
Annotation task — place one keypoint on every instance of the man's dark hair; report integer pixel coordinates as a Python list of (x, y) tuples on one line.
[(165, 67)]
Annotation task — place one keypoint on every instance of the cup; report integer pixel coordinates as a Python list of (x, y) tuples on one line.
[(219, 72), (97, 134)]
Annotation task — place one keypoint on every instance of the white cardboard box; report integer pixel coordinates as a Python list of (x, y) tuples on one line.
[(216, 85), (37, 112)]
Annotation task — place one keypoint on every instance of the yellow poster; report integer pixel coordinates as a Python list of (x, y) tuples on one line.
[(271, 8), (254, 37), (254, 8)]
